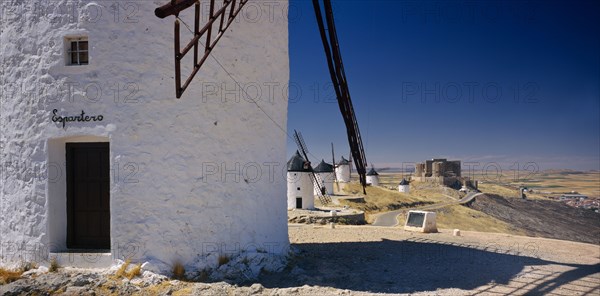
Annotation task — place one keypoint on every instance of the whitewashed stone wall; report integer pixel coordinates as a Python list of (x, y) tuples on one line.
[(192, 177), (342, 173), (373, 180), (404, 188), (300, 185)]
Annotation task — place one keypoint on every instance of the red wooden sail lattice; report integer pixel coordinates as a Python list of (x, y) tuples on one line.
[(225, 16)]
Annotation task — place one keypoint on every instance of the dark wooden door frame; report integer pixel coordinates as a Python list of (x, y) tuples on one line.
[(69, 148)]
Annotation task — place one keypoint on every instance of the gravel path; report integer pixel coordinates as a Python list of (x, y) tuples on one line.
[(388, 219)]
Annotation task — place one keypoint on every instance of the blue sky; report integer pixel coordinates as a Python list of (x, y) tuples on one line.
[(486, 81)]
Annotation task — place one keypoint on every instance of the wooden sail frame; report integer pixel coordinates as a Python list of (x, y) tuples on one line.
[(231, 9), (225, 15), (318, 183), (338, 78)]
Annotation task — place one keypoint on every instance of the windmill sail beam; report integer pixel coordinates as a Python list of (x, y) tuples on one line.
[(173, 8), (338, 78), (301, 145), (333, 163), (332, 71)]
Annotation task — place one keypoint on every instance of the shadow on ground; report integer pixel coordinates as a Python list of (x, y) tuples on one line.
[(420, 265)]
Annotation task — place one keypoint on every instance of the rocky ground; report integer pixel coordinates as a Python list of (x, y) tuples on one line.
[(323, 217), (542, 218), (361, 260)]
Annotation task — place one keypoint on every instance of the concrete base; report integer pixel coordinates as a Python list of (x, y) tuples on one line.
[(420, 221), (83, 260)]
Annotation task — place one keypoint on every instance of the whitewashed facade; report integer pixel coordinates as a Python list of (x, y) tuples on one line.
[(342, 170), (373, 177), (188, 179), (404, 186), (325, 173), (299, 184)]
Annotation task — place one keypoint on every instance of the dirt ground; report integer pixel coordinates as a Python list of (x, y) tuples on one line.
[(542, 218), (390, 260), (367, 260)]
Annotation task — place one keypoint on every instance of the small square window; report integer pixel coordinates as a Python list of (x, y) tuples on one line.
[(77, 53)]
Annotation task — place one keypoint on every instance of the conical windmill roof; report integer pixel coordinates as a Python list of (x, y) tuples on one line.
[(298, 164), (323, 167), (372, 172), (403, 182), (343, 161)]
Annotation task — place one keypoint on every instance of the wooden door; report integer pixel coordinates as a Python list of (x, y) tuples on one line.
[(88, 195)]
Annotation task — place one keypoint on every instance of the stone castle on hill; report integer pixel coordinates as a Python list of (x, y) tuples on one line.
[(438, 170)]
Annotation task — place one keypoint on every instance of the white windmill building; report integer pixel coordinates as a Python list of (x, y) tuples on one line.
[(103, 157), (299, 183), (342, 170), (404, 186), (373, 177), (325, 174)]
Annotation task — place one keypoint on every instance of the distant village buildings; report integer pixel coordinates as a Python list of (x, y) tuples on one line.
[(577, 200), (573, 196)]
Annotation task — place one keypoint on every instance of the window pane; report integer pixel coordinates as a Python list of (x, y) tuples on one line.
[(83, 45), (83, 57), (77, 51)]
